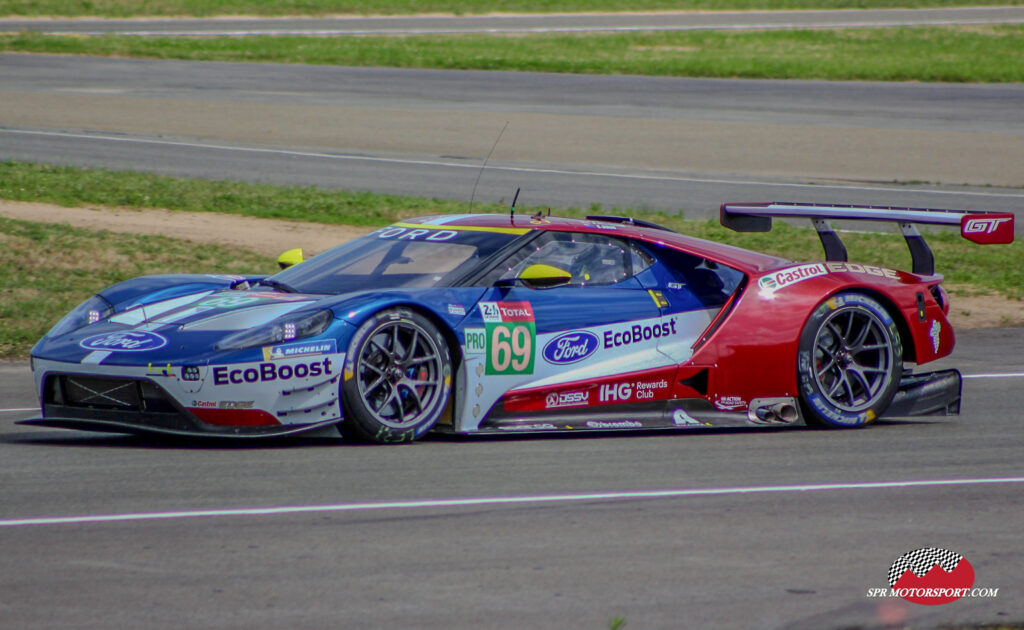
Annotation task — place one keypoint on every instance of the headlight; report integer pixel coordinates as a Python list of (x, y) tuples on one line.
[(297, 326), (88, 312)]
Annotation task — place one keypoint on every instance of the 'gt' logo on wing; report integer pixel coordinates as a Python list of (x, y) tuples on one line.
[(983, 226), (987, 228)]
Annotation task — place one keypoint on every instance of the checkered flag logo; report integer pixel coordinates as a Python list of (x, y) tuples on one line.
[(920, 561)]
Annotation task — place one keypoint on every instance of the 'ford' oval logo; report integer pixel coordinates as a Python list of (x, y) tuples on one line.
[(570, 347), (125, 341)]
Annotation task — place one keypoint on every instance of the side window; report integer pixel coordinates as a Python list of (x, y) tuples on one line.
[(591, 259), (710, 282), (641, 259)]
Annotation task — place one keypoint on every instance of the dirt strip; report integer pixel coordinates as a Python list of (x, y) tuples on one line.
[(273, 236), (264, 236)]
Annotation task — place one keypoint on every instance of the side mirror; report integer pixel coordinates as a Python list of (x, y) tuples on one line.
[(544, 277), (290, 258)]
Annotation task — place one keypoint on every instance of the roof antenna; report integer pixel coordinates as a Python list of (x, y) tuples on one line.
[(484, 165), (512, 214)]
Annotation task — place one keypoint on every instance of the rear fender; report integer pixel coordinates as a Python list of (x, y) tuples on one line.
[(923, 326), (753, 353)]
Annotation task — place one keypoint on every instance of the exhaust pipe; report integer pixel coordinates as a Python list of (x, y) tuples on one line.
[(787, 413), (777, 411)]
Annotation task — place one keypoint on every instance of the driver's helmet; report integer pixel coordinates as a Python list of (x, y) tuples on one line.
[(586, 261), (599, 263)]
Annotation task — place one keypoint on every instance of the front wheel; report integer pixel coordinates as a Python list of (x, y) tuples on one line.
[(849, 361), (397, 377)]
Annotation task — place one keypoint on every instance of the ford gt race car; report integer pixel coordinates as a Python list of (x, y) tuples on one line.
[(501, 323)]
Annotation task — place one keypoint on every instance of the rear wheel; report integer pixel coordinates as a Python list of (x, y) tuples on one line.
[(397, 377), (849, 362)]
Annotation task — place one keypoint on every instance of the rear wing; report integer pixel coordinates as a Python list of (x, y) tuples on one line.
[(976, 226)]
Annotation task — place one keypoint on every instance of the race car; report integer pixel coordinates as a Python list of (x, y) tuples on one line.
[(488, 324)]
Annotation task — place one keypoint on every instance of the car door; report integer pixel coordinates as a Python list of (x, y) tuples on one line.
[(598, 322), (691, 290)]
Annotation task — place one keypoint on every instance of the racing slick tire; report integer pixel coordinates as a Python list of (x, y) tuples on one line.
[(397, 378), (849, 362)]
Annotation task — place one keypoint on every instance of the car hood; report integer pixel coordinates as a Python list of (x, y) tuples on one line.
[(216, 311), (187, 327)]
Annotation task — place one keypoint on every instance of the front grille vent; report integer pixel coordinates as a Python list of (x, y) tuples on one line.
[(101, 392), (91, 392)]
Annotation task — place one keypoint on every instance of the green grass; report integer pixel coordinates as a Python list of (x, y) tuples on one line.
[(50, 269), (134, 8), (72, 187), (954, 53), (975, 268)]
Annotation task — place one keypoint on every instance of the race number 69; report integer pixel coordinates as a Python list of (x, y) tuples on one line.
[(511, 349)]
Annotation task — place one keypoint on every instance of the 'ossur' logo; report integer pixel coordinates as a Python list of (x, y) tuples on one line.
[(931, 576)]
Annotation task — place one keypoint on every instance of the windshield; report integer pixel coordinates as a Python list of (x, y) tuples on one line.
[(394, 257)]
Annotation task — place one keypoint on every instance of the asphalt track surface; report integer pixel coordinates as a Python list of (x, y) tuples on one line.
[(726, 529), (731, 529), (611, 141)]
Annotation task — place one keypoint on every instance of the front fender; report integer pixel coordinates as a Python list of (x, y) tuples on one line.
[(449, 306)]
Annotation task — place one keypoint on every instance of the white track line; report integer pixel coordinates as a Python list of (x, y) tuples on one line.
[(513, 24), (538, 30), (491, 167), (481, 501)]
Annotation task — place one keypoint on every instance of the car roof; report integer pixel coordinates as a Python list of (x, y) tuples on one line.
[(743, 259)]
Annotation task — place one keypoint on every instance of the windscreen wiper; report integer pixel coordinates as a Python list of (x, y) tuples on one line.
[(277, 284)]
